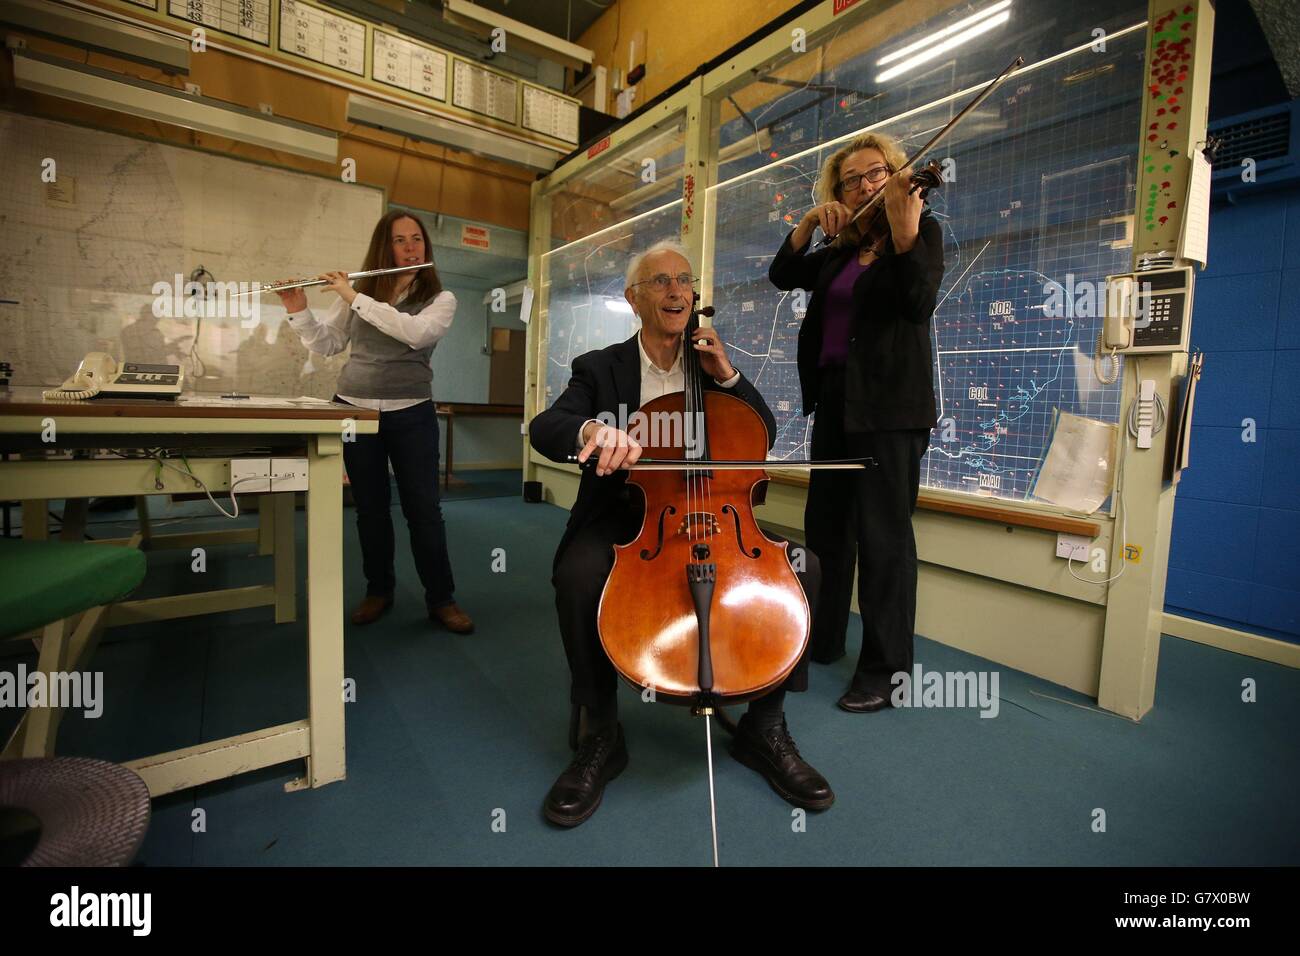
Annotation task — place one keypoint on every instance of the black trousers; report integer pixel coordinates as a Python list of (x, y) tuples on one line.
[(579, 580), (409, 439), (865, 516)]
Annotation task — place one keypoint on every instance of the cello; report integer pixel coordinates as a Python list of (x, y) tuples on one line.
[(727, 620), (701, 608)]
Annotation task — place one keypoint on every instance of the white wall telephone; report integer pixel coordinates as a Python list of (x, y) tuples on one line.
[(1146, 312), (98, 374)]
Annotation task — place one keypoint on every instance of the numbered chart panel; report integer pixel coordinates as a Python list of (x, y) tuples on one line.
[(482, 91), (250, 19), (409, 66), (551, 115), (323, 37)]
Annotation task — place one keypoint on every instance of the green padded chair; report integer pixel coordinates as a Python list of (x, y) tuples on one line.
[(47, 584)]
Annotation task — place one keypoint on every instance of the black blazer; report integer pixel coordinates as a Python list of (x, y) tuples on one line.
[(602, 381), (889, 382)]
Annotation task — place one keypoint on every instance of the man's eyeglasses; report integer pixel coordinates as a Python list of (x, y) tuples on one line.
[(662, 282), (876, 174)]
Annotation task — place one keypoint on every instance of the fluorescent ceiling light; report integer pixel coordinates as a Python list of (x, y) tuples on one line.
[(96, 87), (171, 53), (618, 305), (933, 52), (432, 129), (945, 32), (481, 21)]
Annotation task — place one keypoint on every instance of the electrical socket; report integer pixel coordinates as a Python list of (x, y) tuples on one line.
[(1072, 546), (241, 468), (288, 474)]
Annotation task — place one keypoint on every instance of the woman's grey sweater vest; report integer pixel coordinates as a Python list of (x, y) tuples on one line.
[(381, 366)]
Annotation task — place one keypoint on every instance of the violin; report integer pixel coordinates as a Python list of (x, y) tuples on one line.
[(870, 219)]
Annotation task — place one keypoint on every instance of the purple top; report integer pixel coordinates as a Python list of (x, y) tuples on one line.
[(837, 316)]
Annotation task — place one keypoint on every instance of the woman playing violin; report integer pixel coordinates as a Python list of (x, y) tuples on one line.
[(865, 369)]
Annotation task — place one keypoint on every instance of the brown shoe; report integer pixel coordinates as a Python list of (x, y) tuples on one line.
[(371, 610), (452, 618)]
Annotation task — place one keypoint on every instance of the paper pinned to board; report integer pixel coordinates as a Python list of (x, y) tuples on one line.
[(1195, 244), (526, 304), (1077, 471)]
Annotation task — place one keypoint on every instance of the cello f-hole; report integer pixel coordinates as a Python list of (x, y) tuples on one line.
[(735, 516), (659, 544)]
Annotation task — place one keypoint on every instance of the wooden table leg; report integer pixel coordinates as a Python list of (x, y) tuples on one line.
[(327, 761)]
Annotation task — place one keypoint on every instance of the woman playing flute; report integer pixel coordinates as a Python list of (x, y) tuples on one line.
[(393, 322)]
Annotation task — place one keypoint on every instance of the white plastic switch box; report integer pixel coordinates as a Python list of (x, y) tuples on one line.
[(288, 474), (1072, 546), (256, 469)]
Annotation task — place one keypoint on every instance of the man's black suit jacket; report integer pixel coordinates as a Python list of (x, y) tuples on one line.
[(602, 381)]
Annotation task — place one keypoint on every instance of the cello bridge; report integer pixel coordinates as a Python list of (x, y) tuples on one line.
[(698, 524)]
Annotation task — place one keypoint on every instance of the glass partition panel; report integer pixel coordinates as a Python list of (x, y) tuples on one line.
[(1038, 211), (602, 216), (583, 284), (616, 186), (137, 250)]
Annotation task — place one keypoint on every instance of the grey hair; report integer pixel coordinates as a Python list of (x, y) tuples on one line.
[(663, 245)]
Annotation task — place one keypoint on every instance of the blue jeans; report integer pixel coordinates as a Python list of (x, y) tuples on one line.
[(409, 439)]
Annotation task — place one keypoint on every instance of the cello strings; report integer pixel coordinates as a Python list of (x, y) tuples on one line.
[(701, 437), (706, 481), (687, 429)]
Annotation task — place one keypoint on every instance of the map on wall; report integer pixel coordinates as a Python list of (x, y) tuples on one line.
[(80, 256), (1040, 205)]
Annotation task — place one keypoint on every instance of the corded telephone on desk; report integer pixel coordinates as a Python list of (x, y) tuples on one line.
[(99, 376)]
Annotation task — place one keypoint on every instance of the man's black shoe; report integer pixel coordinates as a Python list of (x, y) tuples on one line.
[(576, 794), (775, 756), (862, 702)]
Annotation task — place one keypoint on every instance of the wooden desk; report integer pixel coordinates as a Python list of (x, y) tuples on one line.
[(210, 431), (450, 410)]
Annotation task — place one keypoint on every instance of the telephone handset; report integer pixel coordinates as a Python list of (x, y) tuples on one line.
[(1146, 312), (98, 374)]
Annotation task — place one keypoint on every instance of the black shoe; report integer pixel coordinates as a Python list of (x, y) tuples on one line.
[(775, 756), (576, 794), (862, 702)]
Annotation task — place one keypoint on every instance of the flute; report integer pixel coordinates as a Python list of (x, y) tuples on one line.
[(304, 283)]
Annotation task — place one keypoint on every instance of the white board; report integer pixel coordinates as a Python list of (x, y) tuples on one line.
[(80, 256)]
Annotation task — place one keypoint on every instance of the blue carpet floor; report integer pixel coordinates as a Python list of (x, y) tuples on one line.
[(450, 734)]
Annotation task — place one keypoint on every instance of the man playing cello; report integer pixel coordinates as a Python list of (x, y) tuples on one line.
[(660, 288)]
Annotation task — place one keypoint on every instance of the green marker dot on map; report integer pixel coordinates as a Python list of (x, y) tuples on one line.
[(1168, 167)]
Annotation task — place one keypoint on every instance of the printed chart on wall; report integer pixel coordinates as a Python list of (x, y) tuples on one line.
[(85, 257)]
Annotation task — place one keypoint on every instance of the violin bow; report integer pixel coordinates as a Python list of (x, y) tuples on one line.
[(679, 464), (983, 95)]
